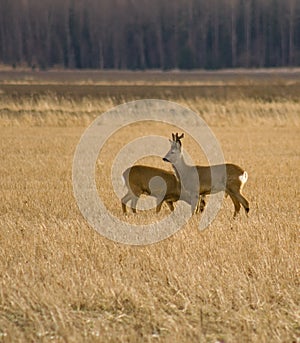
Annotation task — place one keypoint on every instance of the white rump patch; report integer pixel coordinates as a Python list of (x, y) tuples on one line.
[(244, 177)]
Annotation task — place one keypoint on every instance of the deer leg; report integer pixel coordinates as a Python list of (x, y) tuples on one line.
[(202, 203), (197, 209), (243, 201), (133, 203), (194, 203), (124, 200), (170, 205), (236, 204), (158, 205)]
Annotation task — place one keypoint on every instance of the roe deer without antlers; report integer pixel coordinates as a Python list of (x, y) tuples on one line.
[(141, 179), (235, 177)]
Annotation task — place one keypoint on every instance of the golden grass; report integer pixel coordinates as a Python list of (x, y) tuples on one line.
[(23, 76), (237, 281)]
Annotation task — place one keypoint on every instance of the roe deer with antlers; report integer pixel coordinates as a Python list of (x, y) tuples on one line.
[(234, 175), (159, 183)]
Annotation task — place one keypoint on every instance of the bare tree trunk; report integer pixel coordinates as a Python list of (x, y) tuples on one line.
[(233, 33), (141, 50), (291, 4), (248, 32), (216, 36), (160, 47), (101, 55)]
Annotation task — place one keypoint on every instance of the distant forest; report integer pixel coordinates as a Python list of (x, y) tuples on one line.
[(145, 34)]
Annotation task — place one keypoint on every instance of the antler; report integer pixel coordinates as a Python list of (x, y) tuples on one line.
[(177, 138)]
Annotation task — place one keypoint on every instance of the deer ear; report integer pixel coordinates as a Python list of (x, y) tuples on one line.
[(173, 136), (171, 141)]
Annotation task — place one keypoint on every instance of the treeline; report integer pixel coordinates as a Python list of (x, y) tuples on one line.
[(143, 34)]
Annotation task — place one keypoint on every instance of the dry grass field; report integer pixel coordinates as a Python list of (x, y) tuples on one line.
[(61, 281)]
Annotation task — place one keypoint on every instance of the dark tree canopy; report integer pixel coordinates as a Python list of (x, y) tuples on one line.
[(144, 34)]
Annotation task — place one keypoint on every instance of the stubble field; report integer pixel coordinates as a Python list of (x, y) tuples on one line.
[(61, 281)]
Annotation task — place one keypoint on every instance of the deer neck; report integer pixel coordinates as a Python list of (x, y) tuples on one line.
[(187, 175), (180, 167)]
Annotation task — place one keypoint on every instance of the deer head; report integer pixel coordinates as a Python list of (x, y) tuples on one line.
[(174, 154)]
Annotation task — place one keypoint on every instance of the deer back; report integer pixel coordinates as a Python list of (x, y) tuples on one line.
[(147, 180)]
